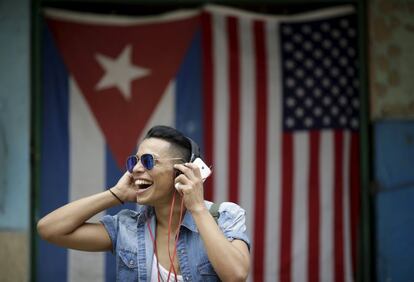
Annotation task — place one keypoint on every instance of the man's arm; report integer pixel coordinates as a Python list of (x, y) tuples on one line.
[(231, 260), (67, 226)]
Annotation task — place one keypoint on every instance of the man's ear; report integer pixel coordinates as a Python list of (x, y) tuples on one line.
[(177, 173)]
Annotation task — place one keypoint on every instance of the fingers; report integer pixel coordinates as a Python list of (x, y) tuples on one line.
[(184, 188), (179, 187), (125, 180), (181, 183), (190, 170), (189, 179)]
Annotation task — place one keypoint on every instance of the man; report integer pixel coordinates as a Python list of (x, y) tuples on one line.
[(172, 235)]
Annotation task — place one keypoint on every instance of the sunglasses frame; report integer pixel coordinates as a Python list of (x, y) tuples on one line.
[(154, 160)]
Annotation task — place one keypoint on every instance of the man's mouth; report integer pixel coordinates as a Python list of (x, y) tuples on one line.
[(143, 184)]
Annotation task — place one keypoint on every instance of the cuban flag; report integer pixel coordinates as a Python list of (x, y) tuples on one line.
[(273, 102)]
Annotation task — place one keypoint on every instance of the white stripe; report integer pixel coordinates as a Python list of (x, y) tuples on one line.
[(247, 124), (273, 165), (326, 154), (347, 208), (221, 110), (300, 206), (87, 177), (164, 112)]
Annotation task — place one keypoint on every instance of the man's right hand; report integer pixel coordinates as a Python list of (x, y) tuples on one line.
[(125, 188)]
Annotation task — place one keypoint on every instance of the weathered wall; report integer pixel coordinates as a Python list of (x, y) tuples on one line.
[(391, 55), (14, 258), (14, 139)]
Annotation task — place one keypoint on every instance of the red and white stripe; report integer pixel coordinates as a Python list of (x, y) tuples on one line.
[(87, 168), (296, 187)]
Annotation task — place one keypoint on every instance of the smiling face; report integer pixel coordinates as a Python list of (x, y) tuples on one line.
[(155, 186)]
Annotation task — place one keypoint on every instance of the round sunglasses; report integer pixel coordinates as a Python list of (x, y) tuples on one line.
[(147, 161)]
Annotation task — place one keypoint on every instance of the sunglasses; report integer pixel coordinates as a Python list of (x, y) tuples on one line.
[(147, 161)]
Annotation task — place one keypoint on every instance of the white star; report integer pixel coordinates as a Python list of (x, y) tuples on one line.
[(354, 123), (290, 122), (306, 29), (316, 36), (298, 55), (308, 102), (308, 122), (290, 102), (308, 45), (120, 72), (300, 92), (288, 47), (317, 111), (299, 112), (326, 120)]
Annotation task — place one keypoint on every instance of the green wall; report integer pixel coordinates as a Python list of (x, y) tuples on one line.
[(14, 139)]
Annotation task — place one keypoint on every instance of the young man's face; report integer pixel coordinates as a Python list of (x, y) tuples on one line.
[(155, 186)]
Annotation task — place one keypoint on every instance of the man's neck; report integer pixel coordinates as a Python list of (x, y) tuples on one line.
[(162, 213)]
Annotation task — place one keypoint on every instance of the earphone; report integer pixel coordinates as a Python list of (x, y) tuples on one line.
[(195, 150), (205, 171), (195, 158)]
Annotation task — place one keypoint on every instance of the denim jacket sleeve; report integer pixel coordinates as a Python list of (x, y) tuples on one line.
[(128, 245), (125, 219), (232, 221), (110, 222)]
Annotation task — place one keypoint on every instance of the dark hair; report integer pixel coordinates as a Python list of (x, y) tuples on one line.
[(179, 141)]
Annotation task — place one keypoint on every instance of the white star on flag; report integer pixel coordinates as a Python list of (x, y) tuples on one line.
[(120, 72)]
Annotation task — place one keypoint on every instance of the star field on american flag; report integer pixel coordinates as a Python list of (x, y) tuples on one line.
[(320, 75)]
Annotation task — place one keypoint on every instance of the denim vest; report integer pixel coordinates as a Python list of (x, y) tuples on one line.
[(133, 246)]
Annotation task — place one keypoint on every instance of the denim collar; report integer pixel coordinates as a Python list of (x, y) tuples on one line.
[(189, 223), (145, 212), (188, 220)]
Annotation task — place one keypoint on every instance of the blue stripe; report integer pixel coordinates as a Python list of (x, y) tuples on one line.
[(188, 103), (113, 173), (54, 175)]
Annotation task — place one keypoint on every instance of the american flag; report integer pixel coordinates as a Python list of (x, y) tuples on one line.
[(281, 121), (273, 102)]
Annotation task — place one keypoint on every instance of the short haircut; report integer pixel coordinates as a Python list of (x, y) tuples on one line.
[(177, 139)]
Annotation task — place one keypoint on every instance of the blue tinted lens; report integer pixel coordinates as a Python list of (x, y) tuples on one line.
[(131, 162), (147, 161)]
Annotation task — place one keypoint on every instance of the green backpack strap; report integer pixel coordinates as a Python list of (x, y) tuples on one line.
[(214, 211)]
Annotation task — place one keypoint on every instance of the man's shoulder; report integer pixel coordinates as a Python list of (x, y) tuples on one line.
[(129, 215), (230, 208)]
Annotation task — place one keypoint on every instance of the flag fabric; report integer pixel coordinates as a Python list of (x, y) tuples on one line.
[(273, 102)]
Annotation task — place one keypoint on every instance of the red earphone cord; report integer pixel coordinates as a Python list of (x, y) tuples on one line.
[(172, 268)]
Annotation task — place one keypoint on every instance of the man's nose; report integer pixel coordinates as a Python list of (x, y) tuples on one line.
[(138, 167)]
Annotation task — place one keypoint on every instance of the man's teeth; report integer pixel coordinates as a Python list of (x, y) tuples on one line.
[(142, 182)]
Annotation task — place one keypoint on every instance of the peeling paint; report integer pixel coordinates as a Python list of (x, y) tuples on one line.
[(3, 167), (391, 57)]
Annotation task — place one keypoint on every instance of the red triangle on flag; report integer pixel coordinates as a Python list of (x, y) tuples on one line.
[(123, 70)]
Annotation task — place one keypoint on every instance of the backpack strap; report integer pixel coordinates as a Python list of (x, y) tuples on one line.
[(214, 211)]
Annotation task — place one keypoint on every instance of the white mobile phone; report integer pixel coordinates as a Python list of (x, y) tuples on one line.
[(204, 169)]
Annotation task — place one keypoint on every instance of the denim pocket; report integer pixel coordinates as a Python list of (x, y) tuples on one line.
[(128, 258), (127, 266)]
